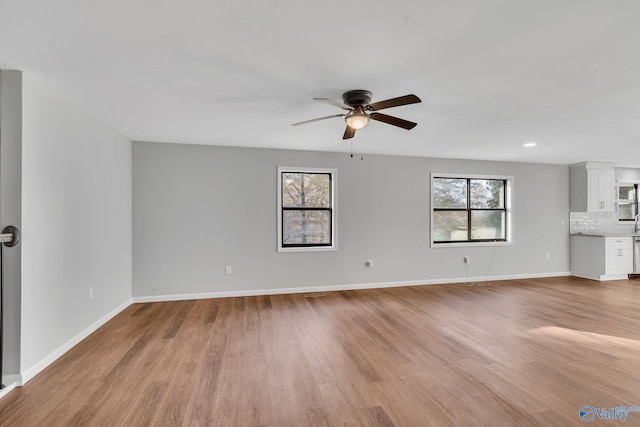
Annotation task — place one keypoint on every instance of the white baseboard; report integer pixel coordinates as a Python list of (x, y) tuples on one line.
[(603, 277), (348, 287), (10, 382), (54, 355)]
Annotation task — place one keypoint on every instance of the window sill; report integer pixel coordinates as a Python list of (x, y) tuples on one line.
[(469, 244), (310, 249)]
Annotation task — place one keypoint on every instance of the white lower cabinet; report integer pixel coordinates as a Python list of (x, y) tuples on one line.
[(618, 257), (601, 258)]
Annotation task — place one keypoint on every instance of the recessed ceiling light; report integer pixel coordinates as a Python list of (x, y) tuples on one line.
[(529, 144)]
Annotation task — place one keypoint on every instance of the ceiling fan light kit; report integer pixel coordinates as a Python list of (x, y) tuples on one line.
[(357, 119), (361, 110)]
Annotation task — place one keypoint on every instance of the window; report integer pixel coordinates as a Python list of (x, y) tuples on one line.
[(306, 209), (627, 201), (470, 209)]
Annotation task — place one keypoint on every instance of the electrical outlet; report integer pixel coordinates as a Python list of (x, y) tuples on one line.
[(369, 263), (91, 292), (227, 269), (466, 260), (548, 255)]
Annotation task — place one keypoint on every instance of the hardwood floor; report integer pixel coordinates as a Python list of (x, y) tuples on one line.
[(510, 353)]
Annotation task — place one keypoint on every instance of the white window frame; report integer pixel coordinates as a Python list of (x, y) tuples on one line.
[(617, 201), (334, 209), (509, 210)]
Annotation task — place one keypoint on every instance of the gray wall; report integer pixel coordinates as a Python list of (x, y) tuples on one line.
[(199, 208), (10, 212)]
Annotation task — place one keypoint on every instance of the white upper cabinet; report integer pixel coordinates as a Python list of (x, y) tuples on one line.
[(592, 187), (600, 188)]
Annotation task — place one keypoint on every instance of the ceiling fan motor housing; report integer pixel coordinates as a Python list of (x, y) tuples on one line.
[(358, 97)]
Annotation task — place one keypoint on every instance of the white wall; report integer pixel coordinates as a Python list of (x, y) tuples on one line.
[(199, 208), (627, 175), (76, 224)]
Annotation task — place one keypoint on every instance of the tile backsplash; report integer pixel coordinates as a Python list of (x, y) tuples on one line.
[(596, 222)]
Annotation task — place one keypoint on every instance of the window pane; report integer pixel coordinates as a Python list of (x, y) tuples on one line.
[(627, 192), (449, 193), (300, 227), (627, 211), (306, 190), (487, 194), (487, 225), (449, 226)]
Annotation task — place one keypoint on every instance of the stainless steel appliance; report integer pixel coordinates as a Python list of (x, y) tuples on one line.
[(636, 255)]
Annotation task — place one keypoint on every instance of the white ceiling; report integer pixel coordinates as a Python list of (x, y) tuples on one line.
[(492, 74)]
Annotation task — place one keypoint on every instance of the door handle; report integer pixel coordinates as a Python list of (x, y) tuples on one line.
[(10, 236)]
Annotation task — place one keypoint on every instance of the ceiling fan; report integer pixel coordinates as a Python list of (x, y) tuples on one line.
[(361, 110)]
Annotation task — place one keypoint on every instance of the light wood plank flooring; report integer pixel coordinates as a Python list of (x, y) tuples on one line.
[(510, 353)]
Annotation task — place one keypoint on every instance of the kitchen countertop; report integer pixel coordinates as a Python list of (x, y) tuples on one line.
[(596, 234)]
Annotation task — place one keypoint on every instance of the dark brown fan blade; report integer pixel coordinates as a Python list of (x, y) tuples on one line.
[(318, 119), (349, 132), (393, 120), (394, 102)]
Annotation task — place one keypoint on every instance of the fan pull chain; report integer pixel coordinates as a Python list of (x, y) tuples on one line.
[(361, 153)]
